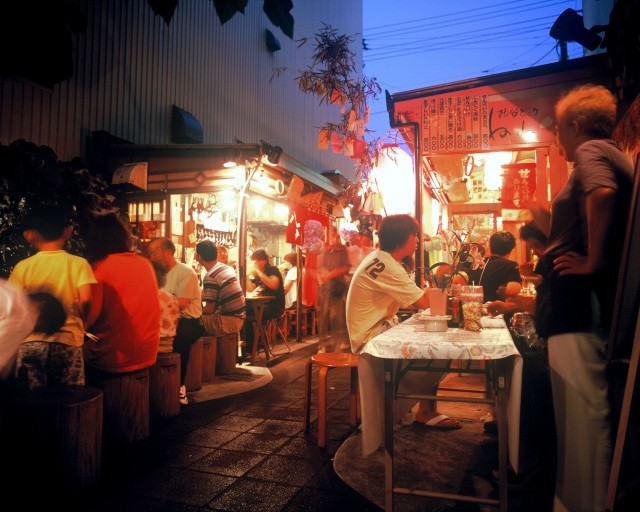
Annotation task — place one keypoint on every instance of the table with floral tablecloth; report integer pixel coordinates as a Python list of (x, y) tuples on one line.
[(409, 341)]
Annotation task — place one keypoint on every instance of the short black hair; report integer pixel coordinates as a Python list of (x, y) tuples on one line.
[(207, 250), (50, 220), (395, 230), (502, 243), (530, 231)]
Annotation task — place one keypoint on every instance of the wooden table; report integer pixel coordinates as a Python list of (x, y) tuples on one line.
[(409, 341), (255, 309)]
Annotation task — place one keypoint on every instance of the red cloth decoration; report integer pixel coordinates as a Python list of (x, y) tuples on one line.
[(309, 280), (336, 142), (298, 216), (359, 148)]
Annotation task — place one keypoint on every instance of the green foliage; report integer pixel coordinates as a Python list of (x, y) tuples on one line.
[(334, 78), (33, 175)]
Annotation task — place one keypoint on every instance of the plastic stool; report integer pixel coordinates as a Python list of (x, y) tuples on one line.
[(325, 362)]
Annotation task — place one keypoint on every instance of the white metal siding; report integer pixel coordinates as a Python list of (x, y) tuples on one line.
[(130, 68)]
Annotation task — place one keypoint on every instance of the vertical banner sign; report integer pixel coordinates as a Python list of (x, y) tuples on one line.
[(518, 185)]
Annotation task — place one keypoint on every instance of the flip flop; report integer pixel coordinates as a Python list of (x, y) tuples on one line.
[(439, 422)]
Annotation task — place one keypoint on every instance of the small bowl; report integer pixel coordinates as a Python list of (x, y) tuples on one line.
[(436, 323)]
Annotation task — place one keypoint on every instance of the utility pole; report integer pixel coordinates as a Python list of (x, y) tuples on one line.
[(563, 51)]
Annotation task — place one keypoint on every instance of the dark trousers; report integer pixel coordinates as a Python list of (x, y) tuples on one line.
[(188, 332)]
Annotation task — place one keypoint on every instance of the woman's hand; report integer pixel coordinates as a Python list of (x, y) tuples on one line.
[(499, 307)]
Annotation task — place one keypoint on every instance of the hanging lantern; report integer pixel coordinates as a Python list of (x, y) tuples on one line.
[(393, 177)]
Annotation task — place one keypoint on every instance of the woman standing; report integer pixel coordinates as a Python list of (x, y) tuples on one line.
[(575, 300)]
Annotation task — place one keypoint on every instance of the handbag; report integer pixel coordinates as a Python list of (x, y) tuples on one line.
[(337, 288)]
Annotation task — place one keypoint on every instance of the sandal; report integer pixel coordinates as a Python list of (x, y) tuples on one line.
[(439, 422)]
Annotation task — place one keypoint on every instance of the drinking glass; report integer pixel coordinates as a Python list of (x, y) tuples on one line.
[(472, 298), (437, 301)]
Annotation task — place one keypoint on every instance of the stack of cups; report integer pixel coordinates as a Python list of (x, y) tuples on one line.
[(472, 298)]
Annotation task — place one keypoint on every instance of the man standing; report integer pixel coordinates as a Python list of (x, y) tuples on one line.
[(225, 306), (380, 286), (333, 266), (182, 281)]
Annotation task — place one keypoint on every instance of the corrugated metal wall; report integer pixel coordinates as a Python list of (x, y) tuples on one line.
[(130, 68)]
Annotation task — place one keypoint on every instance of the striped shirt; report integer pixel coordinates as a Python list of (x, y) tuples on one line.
[(222, 287)]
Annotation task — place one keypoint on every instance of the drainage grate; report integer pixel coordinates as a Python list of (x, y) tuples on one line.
[(246, 377)]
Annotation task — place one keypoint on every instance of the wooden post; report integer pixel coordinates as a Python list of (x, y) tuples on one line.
[(208, 359), (193, 380), (164, 394), (226, 353), (126, 404), (57, 433)]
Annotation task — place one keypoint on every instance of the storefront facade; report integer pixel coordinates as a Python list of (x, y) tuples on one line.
[(486, 147), (185, 193)]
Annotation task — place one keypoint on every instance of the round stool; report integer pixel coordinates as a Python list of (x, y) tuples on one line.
[(326, 362), (58, 434), (164, 386)]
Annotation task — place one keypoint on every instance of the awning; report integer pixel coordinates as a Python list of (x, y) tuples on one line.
[(185, 168)]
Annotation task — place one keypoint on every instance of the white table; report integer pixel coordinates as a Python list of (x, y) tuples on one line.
[(408, 340)]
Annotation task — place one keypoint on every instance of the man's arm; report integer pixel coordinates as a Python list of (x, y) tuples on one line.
[(422, 302), (270, 281)]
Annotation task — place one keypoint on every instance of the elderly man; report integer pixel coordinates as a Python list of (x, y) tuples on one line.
[(180, 280)]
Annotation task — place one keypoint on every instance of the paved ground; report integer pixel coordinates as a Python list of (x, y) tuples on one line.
[(240, 453)]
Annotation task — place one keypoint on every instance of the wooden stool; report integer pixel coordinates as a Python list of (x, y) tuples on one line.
[(164, 384), (226, 353), (326, 362), (58, 435), (126, 404), (292, 321), (193, 379), (208, 359), (312, 321)]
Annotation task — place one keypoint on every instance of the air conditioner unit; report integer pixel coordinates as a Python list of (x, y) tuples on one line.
[(131, 177)]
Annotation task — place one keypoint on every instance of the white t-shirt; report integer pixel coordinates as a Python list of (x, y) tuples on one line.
[(292, 294), (182, 281), (379, 287)]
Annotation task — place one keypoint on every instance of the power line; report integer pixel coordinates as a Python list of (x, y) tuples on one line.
[(450, 42), (461, 16), (466, 38)]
